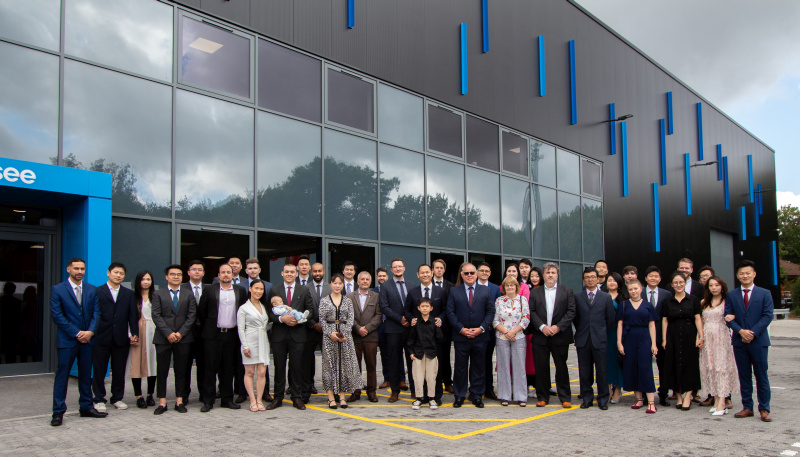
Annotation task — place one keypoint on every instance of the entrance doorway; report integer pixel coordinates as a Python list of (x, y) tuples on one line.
[(276, 249), (361, 254), (722, 255), (212, 246), (495, 263), (453, 261)]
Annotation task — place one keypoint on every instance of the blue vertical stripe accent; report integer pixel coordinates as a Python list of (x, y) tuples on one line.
[(725, 172), (688, 184), (719, 162), (351, 14), (750, 177), (624, 127), (662, 130), (756, 222), (542, 80), (774, 263), (656, 218), (744, 224), (464, 74), (612, 128), (572, 83), (670, 124), (485, 24), (760, 200), (699, 131)]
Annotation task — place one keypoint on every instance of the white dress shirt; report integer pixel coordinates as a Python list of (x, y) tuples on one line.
[(550, 302), (655, 297), (114, 292), (226, 315)]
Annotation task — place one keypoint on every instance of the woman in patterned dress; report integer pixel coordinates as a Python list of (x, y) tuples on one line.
[(340, 372), (718, 373)]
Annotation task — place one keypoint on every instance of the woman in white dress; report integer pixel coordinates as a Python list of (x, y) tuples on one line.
[(252, 322), (143, 355)]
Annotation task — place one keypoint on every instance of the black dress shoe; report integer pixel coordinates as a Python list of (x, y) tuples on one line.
[(277, 403), (288, 391), (186, 400), (663, 401), (491, 395), (458, 402), (298, 404), (150, 401), (314, 390), (240, 399), (207, 407), (57, 419), (553, 393), (141, 403), (603, 406), (478, 403), (585, 405), (266, 397), (160, 410), (181, 408), (92, 413), (230, 405), (219, 394)]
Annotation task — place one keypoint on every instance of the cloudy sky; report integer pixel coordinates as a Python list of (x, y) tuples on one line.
[(741, 55)]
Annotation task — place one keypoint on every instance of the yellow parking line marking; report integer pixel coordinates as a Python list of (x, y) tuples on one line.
[(449, 420)]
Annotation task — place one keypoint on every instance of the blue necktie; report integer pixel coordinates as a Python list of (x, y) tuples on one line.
[(174, 300)]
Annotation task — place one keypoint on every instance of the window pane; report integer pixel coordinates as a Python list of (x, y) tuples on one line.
[(592, 230), (351, 190), (482, 144), (515, 158), (28, 104), (590, 175), (543, 163), (351, 101), (412, 259), (400, 118), (483, 210), (36, 22), (445, 184), (571, 275), (120, 125), (289, 82), (568, 172), (213, 160), (569, 223), (289, 174), (141, 245), (545, 223), (402, 187), (444, 131), (134, 35), (215, 58), (516, 217)]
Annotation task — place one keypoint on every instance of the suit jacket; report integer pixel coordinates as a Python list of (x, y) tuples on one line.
[(243, 281), (393, 305), (370, 318), (168, 321), (494, 288), (301, 302), (315, 298), (446, 285), (563, 315), (438, 299), (116, 318), (71, 317), (594, 319), (208, 308), (756, 317), (462, 316), (663, 295)]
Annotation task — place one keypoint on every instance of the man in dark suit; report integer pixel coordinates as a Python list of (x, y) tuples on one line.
[(253, 271), (289, 338), (445, 366), (470, 310), (552, 310), (367, 319), (194, 286), (75, 311), (594, 316), (686, 266), (318, 289), (438, 299), (393, 298), (656, 296), (601, 266), (217, 313), (174, 313), (118, 315), (381, 275), (484, 271), (751, 309)]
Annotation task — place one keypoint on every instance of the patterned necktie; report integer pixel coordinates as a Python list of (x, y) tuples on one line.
[(174, 300), (236, 281), (348, 288), (426, 293), (653, 297), (470, 296), (79, 294), (402, 290), (591, 297), (197, 293), (289, 295), (746, 298)]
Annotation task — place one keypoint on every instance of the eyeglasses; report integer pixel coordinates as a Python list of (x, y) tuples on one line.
[(468, 273), (175, 275), (196, 269)]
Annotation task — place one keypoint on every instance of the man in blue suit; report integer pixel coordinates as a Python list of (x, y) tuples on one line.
[(484, 271), (75, 311), (470, 309), (119, 315), (392, 298), (748, 310)]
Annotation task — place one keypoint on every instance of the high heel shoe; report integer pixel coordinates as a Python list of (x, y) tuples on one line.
[(332, 404), (720, 413), (343, 404), (651, 407), (637, 405)]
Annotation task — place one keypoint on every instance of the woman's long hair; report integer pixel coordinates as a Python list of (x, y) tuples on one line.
[(707, 292), (137, 289)]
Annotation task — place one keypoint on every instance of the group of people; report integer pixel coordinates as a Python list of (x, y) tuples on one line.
[(229, 328)]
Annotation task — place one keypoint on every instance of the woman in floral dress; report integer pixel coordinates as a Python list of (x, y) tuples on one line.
[(718, 373)]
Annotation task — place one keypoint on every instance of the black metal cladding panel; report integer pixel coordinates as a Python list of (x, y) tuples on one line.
[(349, 45), (274, 18), (525, 49), (382, 24), (502, 36), (233, 10), (312, 26), (410, 43)]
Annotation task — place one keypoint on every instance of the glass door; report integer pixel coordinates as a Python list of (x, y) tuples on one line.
[(452, 260), (213, 246), (363, 255)]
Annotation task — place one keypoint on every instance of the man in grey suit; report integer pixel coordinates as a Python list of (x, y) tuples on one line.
[(367, 319), (656, 296), (594, 316), (174, 313), (317, 289)]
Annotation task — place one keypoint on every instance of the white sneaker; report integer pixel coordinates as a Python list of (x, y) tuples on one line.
[(434, 405), (721, 413), (101, 407), (531, 393), (416, 405), (120, 405)]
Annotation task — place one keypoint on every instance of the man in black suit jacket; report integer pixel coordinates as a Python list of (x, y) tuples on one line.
[(438, 299), (445, 367), (552, 310), (174, 313), (217, 311), (118, 315), (288, 338), (594, 316), (392, 298), (656, 296), (195, 272), (318, 289)]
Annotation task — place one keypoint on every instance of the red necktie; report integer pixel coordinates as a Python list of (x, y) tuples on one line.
[(746, 298), (470, 297), (289, 296)]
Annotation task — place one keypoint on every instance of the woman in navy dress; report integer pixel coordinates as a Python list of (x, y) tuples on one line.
[(636, 341), (616, 288)]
